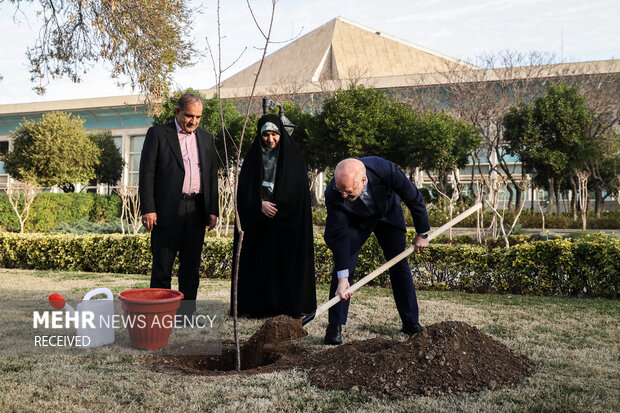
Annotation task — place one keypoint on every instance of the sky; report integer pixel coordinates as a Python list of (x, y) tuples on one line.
[(572, 30)]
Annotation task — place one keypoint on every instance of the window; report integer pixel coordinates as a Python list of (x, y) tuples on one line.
[(118, 141), (135, 148), (4, 149)]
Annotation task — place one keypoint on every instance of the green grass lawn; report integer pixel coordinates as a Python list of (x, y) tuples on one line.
[(574, 342)]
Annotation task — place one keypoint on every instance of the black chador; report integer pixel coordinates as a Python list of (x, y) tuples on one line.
[(276, 269)]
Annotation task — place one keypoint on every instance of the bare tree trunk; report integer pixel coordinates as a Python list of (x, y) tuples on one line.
[(556, 191), (225, 201), (510, 196), (218, 76), (542, 213), (582, 177), (450, 199), (130, 208), (573, 201), (550, 193), (312, 178), (598, 199), (522, 188), (15, 192), (501, 223), (477, 189)]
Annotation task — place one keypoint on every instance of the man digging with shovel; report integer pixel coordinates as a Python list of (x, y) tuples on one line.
[(364, 197)]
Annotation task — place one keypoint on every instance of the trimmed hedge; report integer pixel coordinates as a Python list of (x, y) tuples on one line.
[(586, 266), (527, 219), (48, 210)]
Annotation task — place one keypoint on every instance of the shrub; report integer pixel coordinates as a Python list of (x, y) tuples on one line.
[(84, 226), (319, 215), (452, 267), (540, 268), (49, 210), (587, 266), (597, 265), (527, 219)]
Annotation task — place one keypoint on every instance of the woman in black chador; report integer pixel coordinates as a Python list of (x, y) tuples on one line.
[(276, 268)]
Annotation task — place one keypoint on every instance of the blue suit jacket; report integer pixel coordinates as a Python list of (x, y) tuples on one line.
[(388, 185)]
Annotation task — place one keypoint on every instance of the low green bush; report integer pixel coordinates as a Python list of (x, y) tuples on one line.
[(533, 219), (127, 254), (527, 219), (84, 226), (319, 215), (49, 210), (589, 265)]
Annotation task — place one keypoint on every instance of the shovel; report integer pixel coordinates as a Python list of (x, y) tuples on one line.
[(335, 300)]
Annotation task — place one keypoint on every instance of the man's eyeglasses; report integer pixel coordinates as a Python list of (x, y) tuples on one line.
[(347, 193)]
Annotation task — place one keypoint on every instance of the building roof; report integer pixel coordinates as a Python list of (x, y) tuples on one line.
[(342, 50), (97, 113), (329, 57)]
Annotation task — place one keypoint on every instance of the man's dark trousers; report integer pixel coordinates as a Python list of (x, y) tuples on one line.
[(185, 236), (392, 241)]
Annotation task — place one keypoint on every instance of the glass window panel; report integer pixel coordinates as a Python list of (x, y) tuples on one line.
[(134, 162), (118, 141), (133, 179), (4, 149), (136, 143)]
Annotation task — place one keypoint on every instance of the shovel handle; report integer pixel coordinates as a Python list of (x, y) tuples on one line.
[(335, 300)]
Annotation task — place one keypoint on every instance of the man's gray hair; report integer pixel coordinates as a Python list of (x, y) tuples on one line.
[(186, 99)]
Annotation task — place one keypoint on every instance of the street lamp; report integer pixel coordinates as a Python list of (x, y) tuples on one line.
[(269, 104)]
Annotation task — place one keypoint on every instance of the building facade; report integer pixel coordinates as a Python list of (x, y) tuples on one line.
[(333, 56)]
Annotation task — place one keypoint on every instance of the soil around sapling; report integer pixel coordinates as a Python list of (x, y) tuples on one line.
[(450, 357)]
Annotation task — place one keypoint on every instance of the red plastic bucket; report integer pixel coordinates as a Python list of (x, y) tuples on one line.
[(150, 315)]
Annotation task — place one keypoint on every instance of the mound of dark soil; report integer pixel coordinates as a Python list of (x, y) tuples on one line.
[(278, 330), (448, 357), (445, 358), (275, 330)]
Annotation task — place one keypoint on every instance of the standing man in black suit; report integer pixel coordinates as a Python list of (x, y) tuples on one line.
[(178, 196), (364, 197)]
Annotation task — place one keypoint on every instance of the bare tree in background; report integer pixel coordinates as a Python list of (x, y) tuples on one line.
[(599, 83), (582, 181), (130, 208), (457, 190), (21, 196), (233, 180), (225, 200), (482, 97)]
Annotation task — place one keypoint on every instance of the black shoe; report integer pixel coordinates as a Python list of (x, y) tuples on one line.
[(411, 329), (333, 334)]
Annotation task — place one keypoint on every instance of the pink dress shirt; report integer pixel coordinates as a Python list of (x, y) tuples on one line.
[(191, 161)]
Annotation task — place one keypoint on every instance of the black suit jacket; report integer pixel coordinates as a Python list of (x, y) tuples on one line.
[(388, 185), (162, 173)]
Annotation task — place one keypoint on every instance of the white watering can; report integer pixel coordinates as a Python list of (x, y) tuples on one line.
[(103, 311)]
